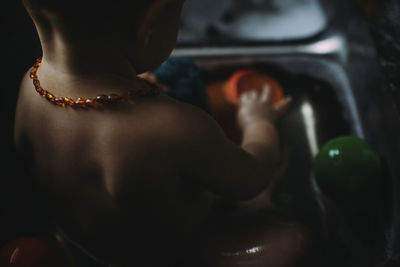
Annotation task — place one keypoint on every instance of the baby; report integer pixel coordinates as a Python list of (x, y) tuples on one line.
[(132, 173)]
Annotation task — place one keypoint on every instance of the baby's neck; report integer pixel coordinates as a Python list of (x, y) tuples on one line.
[(85, 57), (84, 69)]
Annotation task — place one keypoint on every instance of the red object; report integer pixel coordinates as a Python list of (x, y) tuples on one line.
[(28, 252), (246, 80)]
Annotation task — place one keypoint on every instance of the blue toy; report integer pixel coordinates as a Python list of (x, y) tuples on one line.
[(183, 78)]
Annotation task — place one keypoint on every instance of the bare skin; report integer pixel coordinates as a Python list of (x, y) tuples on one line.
[(134, 181)]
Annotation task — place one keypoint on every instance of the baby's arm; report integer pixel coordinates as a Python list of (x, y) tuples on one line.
[(231, 171)]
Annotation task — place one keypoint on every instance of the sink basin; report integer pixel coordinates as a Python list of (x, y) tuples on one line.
[(323, 108)]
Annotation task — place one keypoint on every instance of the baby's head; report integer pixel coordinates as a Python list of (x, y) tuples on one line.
[(145, 30)]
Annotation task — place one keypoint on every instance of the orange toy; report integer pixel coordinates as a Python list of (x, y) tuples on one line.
[(245, 80), (224, 98)]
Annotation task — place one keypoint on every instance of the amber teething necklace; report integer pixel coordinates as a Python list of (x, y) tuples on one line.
[(98, 101)]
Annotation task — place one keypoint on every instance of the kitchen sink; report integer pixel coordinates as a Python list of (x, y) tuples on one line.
[(323, 108)]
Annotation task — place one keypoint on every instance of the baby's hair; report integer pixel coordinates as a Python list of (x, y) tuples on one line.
[(72, 8), (97, 14), (60, 5)]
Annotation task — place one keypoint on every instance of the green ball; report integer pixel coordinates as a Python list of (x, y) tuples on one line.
[(346, 169)]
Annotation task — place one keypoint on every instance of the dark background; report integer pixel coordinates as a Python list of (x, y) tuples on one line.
[(383, 19), (19, 47)]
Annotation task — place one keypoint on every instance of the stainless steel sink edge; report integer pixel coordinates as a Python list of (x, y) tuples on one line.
[(331, 45)]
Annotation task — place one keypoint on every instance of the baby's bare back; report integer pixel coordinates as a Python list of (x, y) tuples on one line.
[(129, 177), (111, 173)]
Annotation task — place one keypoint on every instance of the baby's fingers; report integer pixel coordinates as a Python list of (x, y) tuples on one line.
[(266, 93), (248, 96), (282, 106)]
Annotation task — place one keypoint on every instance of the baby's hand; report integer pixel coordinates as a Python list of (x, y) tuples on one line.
[(151, 78), (257, 108)]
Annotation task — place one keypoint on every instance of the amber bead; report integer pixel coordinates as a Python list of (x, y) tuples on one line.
[(90, 102), (49, 96), (80, 103), (37, 63), (69, 102), (33, 75), (101, 99), (39, 90), (59, 101), (36, 82)]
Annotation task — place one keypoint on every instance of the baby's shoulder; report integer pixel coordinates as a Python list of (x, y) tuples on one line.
[(177, 124), (184, 120)]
